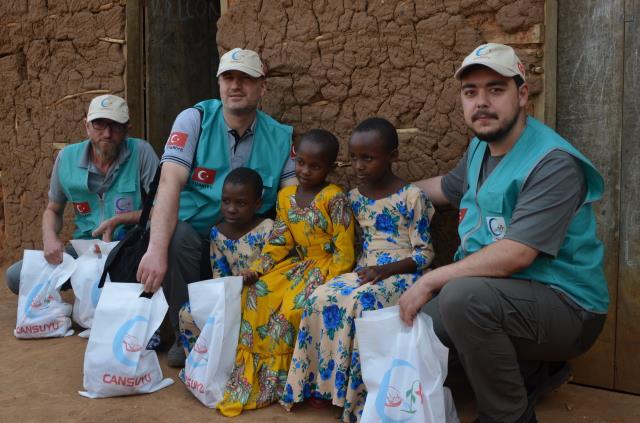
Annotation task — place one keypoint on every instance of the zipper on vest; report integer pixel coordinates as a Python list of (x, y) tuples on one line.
[(475, 228), (101, 209)]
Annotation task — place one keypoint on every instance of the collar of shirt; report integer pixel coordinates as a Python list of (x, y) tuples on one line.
[(236, 137)]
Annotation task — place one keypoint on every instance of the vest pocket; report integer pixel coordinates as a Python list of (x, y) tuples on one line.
[(191, 204), (492, 202)]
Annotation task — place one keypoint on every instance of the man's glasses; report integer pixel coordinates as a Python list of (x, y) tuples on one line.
[(101, 125)]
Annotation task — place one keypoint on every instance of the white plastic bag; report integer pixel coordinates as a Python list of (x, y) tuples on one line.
[(41, 311), (85, 279), (215, 307), (116, 361), (403, 368)]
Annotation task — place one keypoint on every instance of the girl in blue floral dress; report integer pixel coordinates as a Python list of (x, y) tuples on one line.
[(393, 219), (236, 241)]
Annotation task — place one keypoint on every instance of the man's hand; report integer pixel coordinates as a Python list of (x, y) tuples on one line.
[(51, 225), (53, 250), (372, 274), (249, 277), (106, 229), (152, 270), (153, 266), (413, 299)]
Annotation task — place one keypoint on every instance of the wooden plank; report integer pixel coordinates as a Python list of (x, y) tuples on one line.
[(627, 376), (589, 114), (181, 60), (550, 62), (134, 81), (544, 105)]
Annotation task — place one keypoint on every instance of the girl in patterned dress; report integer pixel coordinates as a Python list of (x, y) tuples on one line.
[(312, 241), (236, 241), (393, 218)]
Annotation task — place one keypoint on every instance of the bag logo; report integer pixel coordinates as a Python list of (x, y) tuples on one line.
[(497, 227), (177, 140), (203, 175), (197, 357), (123, 205), (400, 401), (82, 208), (125, 345), (36, 302)]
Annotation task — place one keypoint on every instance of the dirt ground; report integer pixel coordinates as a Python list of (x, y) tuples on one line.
[(39, 380)]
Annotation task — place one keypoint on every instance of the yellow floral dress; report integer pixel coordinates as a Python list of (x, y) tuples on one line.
[(307, 246)]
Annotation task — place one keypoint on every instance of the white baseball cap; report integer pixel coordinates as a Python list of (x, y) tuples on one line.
[(499, 57), (108, 107), (246, 61)]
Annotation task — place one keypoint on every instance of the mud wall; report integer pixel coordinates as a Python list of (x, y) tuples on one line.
[(55, 55), (333, 63)]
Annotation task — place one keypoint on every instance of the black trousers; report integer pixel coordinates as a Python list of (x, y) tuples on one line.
[(188, 262), (500, 327)]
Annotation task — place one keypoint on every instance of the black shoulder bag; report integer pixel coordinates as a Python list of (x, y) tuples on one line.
[(122, 262)]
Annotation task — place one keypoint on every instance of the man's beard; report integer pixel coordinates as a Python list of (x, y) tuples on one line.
[(107, 154), (499, 133)]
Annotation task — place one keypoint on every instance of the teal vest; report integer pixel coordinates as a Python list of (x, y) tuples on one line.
[(124, 194), (486, 214), (200, 197)]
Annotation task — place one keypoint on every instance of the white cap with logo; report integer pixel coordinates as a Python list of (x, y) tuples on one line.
[(108, 106), (246, 61), (499, 57)]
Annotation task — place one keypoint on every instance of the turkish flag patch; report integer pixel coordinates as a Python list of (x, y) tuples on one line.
[(82, 208), (177, 139), (203, 175), (461, 215)]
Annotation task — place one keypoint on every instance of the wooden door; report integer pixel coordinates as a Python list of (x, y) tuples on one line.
[(627, 358), (172, 59), (597, 110)]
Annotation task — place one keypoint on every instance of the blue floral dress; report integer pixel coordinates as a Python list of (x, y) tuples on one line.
[(326, 361)]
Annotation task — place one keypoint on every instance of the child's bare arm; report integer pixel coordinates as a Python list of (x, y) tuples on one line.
[(372, 274)]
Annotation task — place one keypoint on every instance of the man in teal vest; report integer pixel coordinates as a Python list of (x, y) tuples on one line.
[(206, 142), (526, 291), (102, 177)]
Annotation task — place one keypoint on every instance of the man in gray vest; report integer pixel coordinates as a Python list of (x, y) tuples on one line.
[(207, 141), (103, 177), (527, 290)]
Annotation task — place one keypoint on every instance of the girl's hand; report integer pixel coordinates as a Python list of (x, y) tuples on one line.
[(249, 277), (372, 274)]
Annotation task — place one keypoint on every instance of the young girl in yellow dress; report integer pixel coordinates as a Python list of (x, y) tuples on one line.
[(312, 241)]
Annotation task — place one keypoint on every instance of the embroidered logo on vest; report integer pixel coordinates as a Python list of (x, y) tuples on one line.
[(203, 175), (461, 215), (123, 205), (497, 227), (82, 208)]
